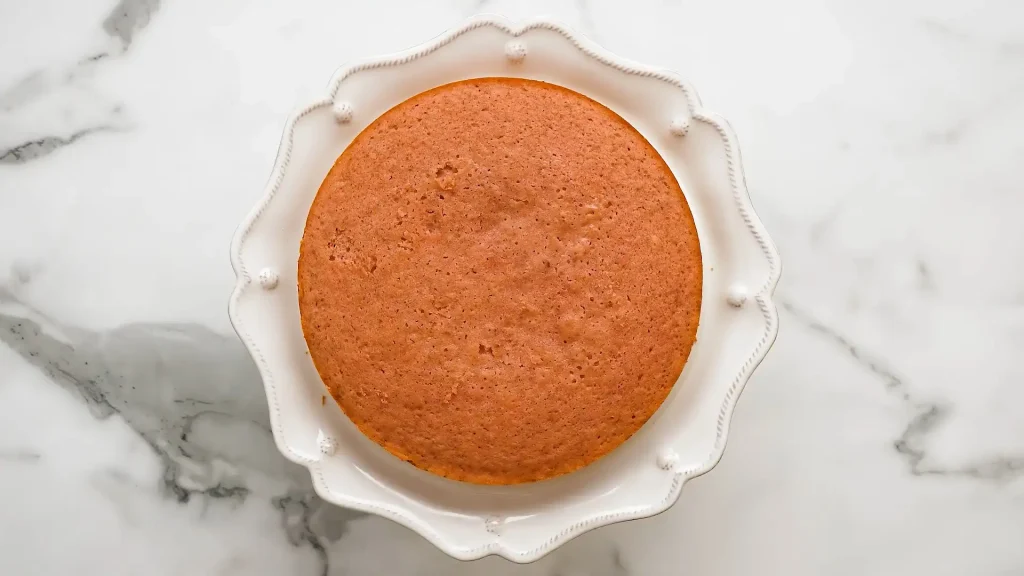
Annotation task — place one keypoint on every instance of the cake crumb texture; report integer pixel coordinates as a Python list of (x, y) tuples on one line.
[(499, 281)]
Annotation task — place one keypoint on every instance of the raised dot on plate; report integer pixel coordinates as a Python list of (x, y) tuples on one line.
[(679, 126), (343, 112), (268, 278), (515, 51), (667, 460), (493, 524), (737, 295), (328, 446)]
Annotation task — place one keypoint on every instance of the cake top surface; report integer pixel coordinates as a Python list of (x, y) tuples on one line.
[(499, 281)]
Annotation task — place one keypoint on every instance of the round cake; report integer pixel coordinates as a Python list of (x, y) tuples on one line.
[(499, 281)]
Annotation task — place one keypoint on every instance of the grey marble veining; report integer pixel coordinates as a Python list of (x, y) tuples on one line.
[(37, 148), (924, 415), (125, 20), (166, 381), (128, 18)]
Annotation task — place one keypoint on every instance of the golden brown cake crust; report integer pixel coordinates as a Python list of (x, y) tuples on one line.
[(499, 281)]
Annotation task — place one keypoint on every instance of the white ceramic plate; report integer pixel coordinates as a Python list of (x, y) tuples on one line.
[(686, 436)]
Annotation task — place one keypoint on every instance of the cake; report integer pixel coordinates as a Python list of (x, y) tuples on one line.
[(499, 281)]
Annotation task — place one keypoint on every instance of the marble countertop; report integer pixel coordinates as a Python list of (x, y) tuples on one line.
[(883, 141)]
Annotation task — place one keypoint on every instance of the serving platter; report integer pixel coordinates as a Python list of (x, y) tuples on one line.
[(644, 476)]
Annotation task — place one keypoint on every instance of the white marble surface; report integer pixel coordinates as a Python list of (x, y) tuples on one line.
[(883, 142)]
